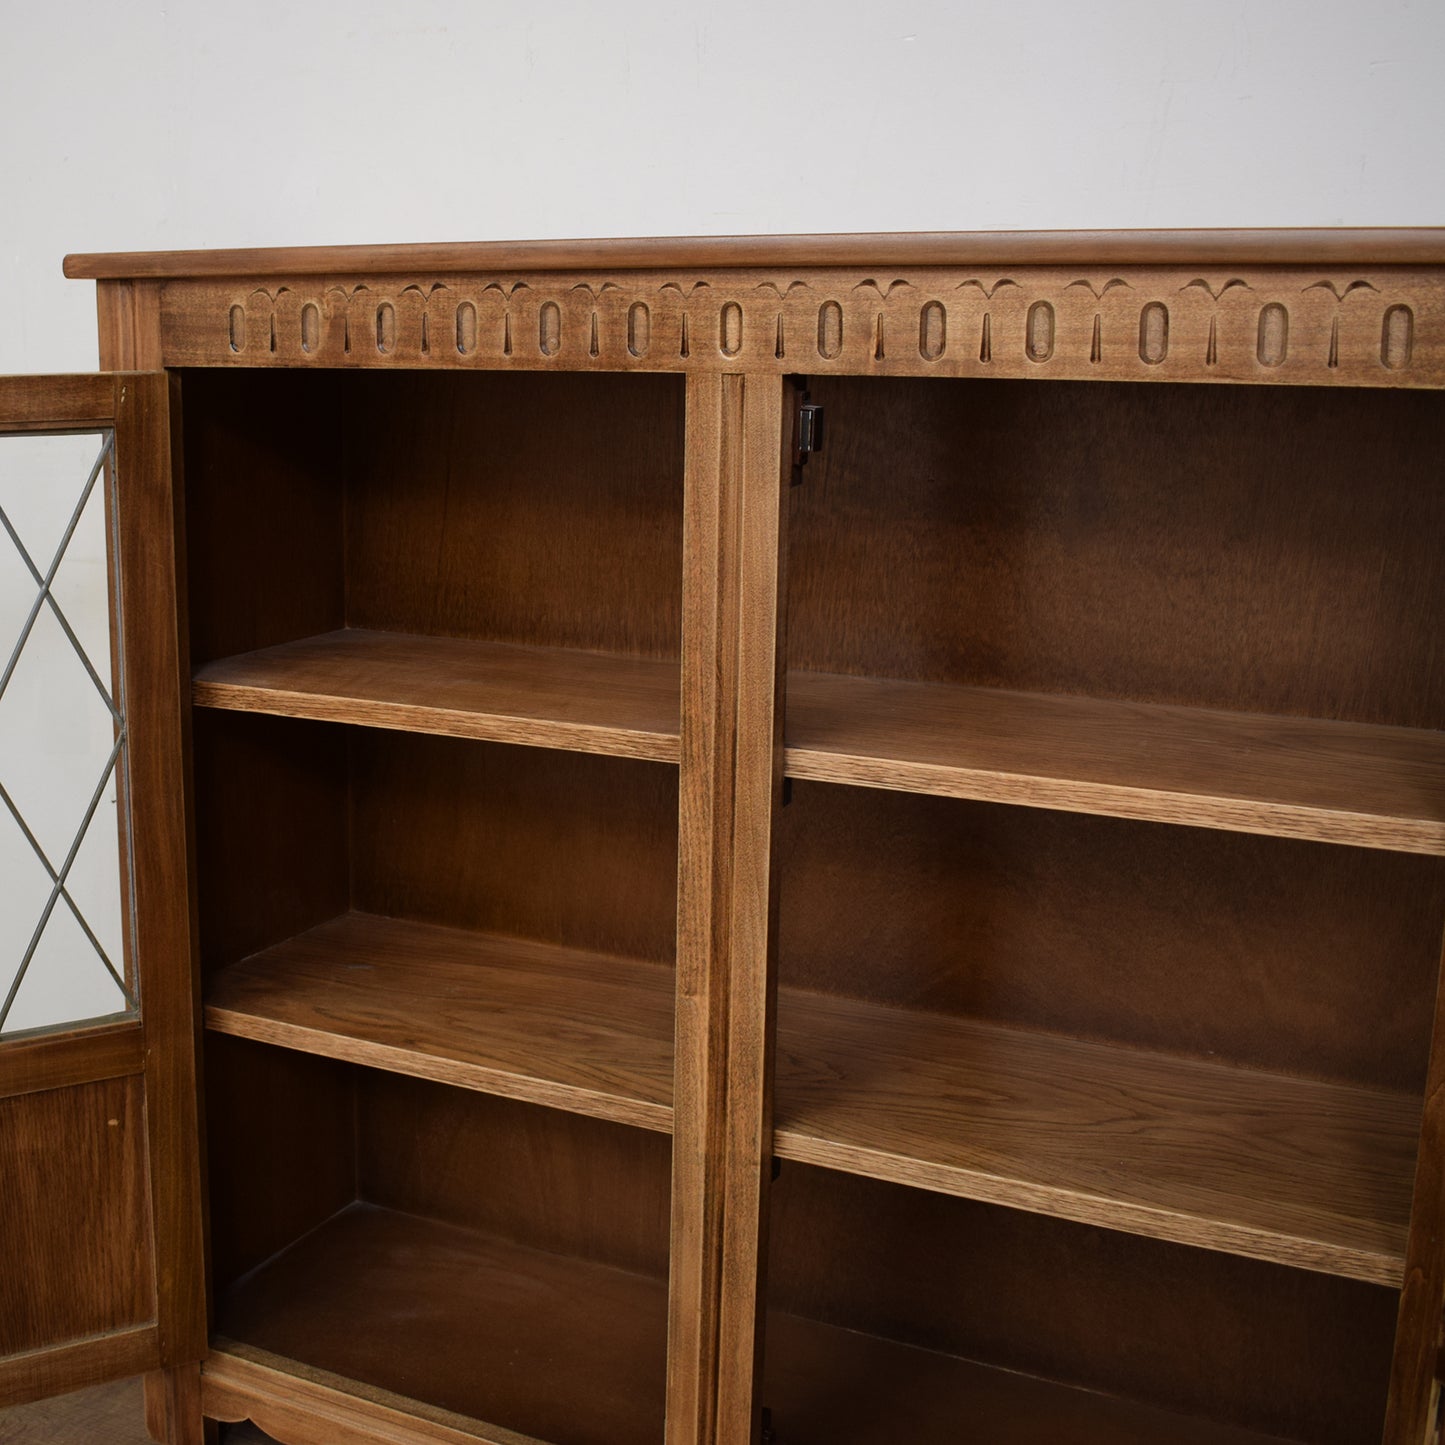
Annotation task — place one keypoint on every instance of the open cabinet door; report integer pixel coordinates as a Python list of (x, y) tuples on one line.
[(100, 1216)]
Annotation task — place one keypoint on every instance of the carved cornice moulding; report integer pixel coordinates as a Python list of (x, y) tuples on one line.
[(1188, 323)]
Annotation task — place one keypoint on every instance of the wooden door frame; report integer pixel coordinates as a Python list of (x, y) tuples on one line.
[(160, 1045)]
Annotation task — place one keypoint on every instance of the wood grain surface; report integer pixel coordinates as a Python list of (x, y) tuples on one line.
[(567, 1351), (563, 1183), (1213, 1336), (306, 1406), (76, 1257), (1290, 957), (830, 1386), (281, 1149), (1378, 245), (1296, 1171), (543, 697), (1241, 548), (578, 1031), (52, 1060), (1335, 782)]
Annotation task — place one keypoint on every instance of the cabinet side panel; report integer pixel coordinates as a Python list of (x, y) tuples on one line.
[(271, 830), (281, 1136), (264, 509)]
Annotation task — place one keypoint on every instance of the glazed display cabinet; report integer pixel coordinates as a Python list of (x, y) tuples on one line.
[(815, 840)]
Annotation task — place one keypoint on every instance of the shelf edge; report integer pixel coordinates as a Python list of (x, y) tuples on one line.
[(1118, 800), (445, 722), (1223, 1236), (569, 1098)]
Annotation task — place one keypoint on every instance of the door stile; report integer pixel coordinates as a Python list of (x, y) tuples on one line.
[(761, 560), (730, 790), (149, 526)]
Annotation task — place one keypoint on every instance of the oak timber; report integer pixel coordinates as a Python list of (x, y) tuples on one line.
[(562, 1349), (1299, 1171), (540, 696), (1361, 246), (831, 1386), (1336, 782), (557, 1026)]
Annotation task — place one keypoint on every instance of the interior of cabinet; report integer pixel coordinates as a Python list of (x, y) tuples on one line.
[(1111, 907), (500, 1261), (487, 555), (1032, 1328), (435, 630)]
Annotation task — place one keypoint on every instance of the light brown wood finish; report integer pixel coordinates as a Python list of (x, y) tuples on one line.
[(1359, 246), (584, 1032), (541, 697), (561, 1349), (1375, 787), (758, 552), (705, 826), (1305, 1173), (1183, 555), (302, 1406), (156, 684), (173, 1407), (129, 317), (109, 1278), (1277, 326), (1417, 1379)]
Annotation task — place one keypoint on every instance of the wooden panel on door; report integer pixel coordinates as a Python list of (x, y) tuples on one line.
[(100, 1214)]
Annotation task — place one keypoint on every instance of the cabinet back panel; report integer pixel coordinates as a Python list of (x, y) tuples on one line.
[(522, 509), (264, 508), (566, 848), (281, 1147), (293, 1138), (540, 1177), (1303, 957), (271, 830), (1303, 1355), (1251, 548)]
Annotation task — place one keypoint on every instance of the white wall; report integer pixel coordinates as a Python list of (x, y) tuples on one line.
[(137, 126)]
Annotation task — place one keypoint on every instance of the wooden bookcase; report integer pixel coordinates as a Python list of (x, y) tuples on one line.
[(937, 937)]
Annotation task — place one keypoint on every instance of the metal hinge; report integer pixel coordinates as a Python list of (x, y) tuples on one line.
[(765, 1433), (807, 428), (810, 428)]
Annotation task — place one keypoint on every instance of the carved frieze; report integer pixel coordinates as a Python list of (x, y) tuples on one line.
[(1127, 323)]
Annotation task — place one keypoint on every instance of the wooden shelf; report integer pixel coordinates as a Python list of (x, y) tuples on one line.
[(585, 1032), (550, 697), (829, 1386), (1374, 787), (561, 1349), (1303, 1173)]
